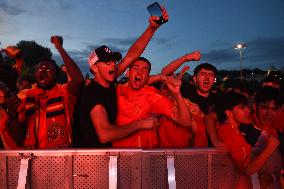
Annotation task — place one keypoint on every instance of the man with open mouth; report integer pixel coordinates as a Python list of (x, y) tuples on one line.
[(46, 112), (137, 100), (95, 127)]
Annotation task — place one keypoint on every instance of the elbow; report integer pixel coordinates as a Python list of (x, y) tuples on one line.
[(104, 139)]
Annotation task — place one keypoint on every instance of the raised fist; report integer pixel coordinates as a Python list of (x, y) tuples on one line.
[(56, 40), (173, 84), (155, 20), (194, 56)]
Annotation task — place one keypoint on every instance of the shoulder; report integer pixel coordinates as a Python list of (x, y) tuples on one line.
[(224, 131)]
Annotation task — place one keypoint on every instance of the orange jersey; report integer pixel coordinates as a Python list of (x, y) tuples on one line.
[(134, 105), (48, 116)]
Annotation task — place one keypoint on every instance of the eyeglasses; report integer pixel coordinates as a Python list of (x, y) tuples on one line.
[(44, 68)]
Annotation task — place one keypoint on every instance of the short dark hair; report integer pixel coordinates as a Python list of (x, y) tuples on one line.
[(144, 60), (205, 66), (267, 94), (229, 101)]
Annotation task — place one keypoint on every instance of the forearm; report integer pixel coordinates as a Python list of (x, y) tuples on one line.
[(257, 162), (136, 49), (154, 78), (72, 69), (210, 125), (173, 66), (184, 116), (114, 132)]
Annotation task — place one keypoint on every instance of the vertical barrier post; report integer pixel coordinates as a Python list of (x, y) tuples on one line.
[(209, 171), (112, 174), (70, 171), (24, 167), (171, 171)]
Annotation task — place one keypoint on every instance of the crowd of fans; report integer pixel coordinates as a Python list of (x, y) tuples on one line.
[(144, 111)]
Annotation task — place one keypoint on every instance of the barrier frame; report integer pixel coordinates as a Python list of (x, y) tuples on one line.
[(137, 168)]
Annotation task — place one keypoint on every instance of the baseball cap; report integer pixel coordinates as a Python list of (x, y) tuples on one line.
[(103, 54)]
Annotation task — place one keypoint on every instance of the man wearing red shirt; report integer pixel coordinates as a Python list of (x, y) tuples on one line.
[(137, 101)]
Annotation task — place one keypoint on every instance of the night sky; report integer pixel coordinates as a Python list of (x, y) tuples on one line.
[(213, 27)]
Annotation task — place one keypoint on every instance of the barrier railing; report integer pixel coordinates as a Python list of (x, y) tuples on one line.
[(117, 168)]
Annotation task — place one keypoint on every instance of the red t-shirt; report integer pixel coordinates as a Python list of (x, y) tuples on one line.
[(138, 104), (236, 145), (173, 135)]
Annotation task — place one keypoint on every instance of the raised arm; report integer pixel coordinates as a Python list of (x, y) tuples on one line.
[(71, 67), (184, 116), (156, 78), (140, 44), (108, 133), (174, 65)]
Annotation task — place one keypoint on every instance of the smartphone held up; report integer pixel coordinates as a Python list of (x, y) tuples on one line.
[(156, 10)]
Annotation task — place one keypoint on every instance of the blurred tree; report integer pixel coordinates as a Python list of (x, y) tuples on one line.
[(32, 52)]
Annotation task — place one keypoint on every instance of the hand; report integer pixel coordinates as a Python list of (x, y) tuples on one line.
[(194, 56), (154, 19), (13, 104), (219, 145), (184, 69), (149, 123), (57, 41), (173, 84), (163, 78)]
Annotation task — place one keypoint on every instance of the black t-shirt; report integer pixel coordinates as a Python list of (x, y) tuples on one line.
[(250, 133), (84, 133), (205, 103)]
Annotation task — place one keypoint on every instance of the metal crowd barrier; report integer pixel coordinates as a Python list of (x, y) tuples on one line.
[(117, 168)]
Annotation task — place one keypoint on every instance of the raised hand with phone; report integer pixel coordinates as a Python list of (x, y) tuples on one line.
[(158, 13)]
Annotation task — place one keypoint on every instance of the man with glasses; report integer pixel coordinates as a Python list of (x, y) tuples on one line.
[(95, 127), (47, 110)]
